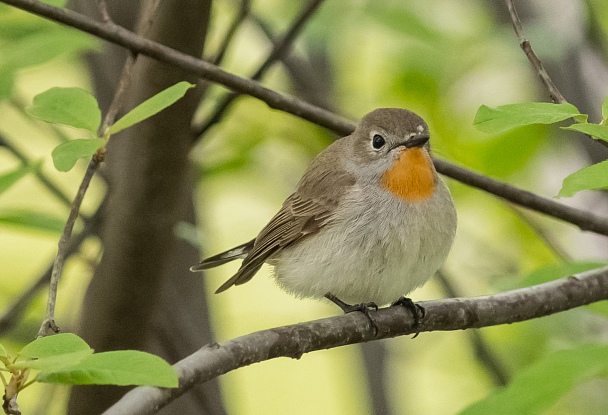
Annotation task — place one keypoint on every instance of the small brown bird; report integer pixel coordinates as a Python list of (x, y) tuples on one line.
[(370, 220)]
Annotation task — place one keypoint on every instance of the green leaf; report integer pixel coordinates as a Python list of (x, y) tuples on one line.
[(10, 178), (32, 220), (54, 363), (594, 130), (151, 106), (589, 178), (605, 109), (506, 117), (54, 345), (66, 155), (74, 107), (125, 367), (539, 386)]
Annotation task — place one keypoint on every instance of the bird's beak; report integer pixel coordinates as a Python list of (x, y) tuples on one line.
[(416, 141)]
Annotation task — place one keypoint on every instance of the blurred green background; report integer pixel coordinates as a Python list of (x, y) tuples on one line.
[(441, 59)]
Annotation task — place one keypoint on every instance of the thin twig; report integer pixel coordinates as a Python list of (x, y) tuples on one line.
[(49, 320), (13, 313), (484, 352), (524, 43), (103, 9), (54, 189), (280, 48), (115, 34), (548, 239), (442, 315), (236, 23), (118, 99), (554, 93)]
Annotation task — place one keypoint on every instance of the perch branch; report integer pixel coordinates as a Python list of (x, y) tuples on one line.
[(295, 340)]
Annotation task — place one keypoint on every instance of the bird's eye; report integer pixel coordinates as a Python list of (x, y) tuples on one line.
[(378, 141)]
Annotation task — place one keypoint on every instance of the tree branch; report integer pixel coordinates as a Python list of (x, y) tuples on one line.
[(554, 93), (279, 49), (293, 341), (15, 311), (236, 23), (49, 319), (487, 357), (116, 34), (524, 43)]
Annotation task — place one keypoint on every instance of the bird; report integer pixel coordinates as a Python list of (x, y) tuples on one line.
[(370, 220)]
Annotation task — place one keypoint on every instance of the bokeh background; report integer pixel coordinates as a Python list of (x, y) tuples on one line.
[(441, 59)]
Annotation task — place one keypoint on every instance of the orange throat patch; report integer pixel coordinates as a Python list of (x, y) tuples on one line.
[(411, 177)]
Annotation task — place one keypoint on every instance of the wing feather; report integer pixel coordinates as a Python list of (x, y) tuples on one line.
[(305, 212)]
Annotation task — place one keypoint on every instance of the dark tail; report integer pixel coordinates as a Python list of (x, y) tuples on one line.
[(238, 252)]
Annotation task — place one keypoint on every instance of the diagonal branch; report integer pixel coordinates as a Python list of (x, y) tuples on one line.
[(116, 34), (293, 341), (280, 48), (554, 93), (524, 43), (236, 23)]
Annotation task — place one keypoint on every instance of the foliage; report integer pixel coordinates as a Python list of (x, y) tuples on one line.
[(539, 386), (77, 108), (507, 117), (440, 59), (67, 359)]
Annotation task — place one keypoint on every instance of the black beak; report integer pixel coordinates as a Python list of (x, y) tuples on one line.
[(416, 141)]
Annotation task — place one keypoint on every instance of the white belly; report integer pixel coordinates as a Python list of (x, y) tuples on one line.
[(371, 255)]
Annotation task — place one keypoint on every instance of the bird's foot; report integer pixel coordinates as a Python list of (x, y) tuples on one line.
[(365, 308), (418, 312)]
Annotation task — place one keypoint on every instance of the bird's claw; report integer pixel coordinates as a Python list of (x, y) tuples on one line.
[(365, 308), (418, 312)]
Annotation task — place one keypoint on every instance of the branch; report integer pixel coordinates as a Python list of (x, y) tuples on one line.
[(49, 319), (524, 43), (123, 37), (236, 23), (15, 311), (279, 49), (293, 341), (586, 221), (54, 189), (116, 34), (487, 357)]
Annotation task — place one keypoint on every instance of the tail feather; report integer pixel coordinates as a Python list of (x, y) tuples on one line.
[(238, 252)]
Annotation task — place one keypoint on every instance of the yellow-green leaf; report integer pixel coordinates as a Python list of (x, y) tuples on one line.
[(589, 178), (542, 384), (124, 367), (151, 106), (66, 155), (74, 107), (594, 130), (506, 117)]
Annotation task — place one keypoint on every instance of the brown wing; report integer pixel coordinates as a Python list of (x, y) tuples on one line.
[(296, 219), (303, 213)]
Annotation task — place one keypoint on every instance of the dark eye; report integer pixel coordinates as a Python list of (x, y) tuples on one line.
[(378, 141)]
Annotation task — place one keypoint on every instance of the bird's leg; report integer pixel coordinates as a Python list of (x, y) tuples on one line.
[(365, 308), (417, 311)]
